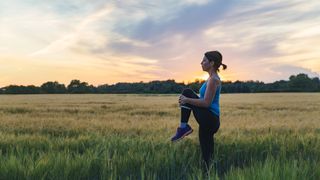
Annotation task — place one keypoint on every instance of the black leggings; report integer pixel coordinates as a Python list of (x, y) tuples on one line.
[(209, 124)]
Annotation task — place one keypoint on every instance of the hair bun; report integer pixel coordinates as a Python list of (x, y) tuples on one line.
[(224, 66)]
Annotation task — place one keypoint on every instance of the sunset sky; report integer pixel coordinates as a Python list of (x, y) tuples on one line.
[(109, 41)]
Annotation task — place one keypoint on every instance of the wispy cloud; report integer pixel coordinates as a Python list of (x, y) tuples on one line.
[(81, 30)]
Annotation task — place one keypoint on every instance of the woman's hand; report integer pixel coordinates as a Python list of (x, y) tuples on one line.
[(183, 99)]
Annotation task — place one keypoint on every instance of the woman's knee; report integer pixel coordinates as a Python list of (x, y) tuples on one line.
[(188, 92), (216, 125)]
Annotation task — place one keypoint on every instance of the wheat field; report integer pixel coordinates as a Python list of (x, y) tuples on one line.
[(127, 136)]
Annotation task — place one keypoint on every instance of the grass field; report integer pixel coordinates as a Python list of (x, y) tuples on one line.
[(262, 136)]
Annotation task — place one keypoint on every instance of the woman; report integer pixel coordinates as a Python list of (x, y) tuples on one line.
[(205, 108)]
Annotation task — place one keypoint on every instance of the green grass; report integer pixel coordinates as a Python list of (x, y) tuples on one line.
[(276, 156), (98, 137)]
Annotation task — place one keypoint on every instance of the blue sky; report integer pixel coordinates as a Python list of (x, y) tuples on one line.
[(129, 41)]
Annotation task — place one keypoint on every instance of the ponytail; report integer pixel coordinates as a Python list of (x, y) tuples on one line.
[(224, 66)]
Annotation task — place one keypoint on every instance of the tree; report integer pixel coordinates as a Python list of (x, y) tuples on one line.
[(78, 87), (14, 89), (278, 86), (316, 83), (53, 88), (301, 82)]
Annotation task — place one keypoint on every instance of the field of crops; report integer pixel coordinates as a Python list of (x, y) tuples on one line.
[(262, 136)]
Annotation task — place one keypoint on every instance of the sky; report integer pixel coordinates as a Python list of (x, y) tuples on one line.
[(109, 41)]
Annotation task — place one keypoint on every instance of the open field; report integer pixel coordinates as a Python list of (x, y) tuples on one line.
[(262, 136)]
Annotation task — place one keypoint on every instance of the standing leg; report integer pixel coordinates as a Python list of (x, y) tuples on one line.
[(208, 125), (206, 144)]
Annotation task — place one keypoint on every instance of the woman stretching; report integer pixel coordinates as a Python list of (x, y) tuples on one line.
[(205, 108)]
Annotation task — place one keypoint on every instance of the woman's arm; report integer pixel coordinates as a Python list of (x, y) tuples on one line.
[(212, 85)]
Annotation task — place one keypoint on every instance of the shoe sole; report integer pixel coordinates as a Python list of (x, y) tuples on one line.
[(186, 134)]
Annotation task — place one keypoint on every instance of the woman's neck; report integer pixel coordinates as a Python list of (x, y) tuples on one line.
[(212, 72)]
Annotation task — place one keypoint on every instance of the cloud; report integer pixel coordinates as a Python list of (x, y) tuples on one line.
[(268, 34), (184, 19), (163, 39), (81, 30), (285, 71)]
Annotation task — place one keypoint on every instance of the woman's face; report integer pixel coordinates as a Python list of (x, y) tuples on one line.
[(206, 64)]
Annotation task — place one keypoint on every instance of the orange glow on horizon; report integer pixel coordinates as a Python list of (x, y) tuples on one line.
[(204, 76)]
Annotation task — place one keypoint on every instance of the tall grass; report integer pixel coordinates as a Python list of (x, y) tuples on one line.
[(262, 136)]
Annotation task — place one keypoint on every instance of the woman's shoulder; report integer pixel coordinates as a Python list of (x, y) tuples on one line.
[(215, 79)]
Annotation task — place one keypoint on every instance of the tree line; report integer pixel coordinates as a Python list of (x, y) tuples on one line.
[(296, 83)]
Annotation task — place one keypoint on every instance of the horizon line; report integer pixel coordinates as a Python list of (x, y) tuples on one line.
[(184, 82)]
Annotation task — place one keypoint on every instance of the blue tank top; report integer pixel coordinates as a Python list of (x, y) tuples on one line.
[(214, 107)]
